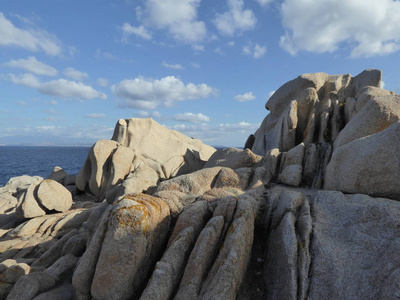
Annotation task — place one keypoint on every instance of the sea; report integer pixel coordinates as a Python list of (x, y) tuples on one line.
[(39, 160)]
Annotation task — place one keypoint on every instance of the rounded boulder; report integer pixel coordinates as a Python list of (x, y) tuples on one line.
[(54, 196)]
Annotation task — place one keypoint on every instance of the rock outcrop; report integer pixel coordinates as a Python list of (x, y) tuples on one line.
[(140, 153), (337, 120), (307, 210)]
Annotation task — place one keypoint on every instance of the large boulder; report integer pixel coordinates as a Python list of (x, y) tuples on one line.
[(376, 115), (109, 269), (176, 153), (369, 165), (54, 196), (137, 146)]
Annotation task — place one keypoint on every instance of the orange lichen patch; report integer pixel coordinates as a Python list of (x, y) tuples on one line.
[(134, 217)]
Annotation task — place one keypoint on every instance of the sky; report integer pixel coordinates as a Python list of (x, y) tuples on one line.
[(69, 70)]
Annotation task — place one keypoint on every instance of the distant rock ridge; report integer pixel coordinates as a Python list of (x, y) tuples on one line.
[(307, 210)]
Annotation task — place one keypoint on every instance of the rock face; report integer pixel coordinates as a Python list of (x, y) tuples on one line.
[(325, 115), (248, 224), (136, 222), (144, 147), (325, 244), (369, 165)]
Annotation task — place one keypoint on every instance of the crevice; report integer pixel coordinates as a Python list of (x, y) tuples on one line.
[(310, 250), (254, 283)]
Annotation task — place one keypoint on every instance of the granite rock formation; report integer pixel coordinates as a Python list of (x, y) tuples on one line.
[(308, 210)]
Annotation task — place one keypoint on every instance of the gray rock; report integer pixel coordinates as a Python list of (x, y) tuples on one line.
[(259, 136), (54, 196), (86, 267), (28, 207), (169, 269), (201, 259), (5, 289), (291, 175), (54, 252), (376, 115), (293, 157), (194, 216), (144, 146), (4, 265), (63, 292), (139, 222), (367, 94), (232, 158), (58, 174), (76, 245), (14, 272), (368, 165), (323, 244), (227, 272), (29, 286), (19, 183), (63, 267), (282, 97), (369, 77)]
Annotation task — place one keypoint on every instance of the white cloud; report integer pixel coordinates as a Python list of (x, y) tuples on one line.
[(51, 111), (236, 19), (245, 97), (218, 50), (369, 28), (58, 88), (179, 17), (147, 114), (32, 65), (218, 134), (146, 93), (191, 118), (52, 102), (25, 80), (22, 103), (198, 48), (102, 82), (139, 31), (29, 39), (96, 116), (195, 65), (70, 89), (173, 66), (54, 119), (75, 74), (263, 2), (104, 55), (257, 51), (231, 44)]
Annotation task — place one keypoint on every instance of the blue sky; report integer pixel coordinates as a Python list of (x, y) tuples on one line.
[(70, 69)]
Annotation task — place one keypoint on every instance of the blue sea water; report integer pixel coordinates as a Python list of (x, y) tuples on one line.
[(39, 161)]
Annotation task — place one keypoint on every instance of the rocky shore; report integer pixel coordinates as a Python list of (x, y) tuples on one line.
[(309, 209)]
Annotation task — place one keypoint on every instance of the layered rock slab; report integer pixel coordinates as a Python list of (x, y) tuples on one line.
[(109, 269), (326, 244)]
